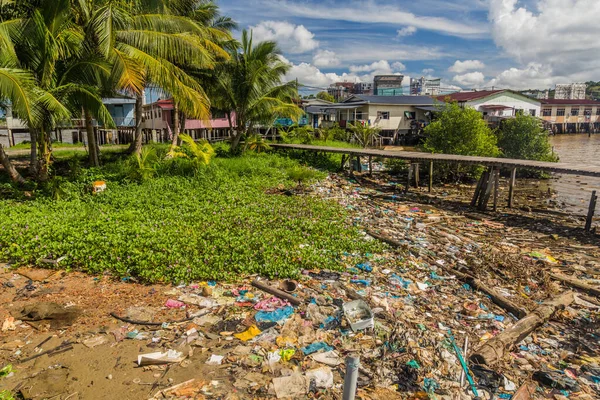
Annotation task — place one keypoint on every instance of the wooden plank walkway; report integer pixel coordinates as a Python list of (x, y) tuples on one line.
[(508, 163)]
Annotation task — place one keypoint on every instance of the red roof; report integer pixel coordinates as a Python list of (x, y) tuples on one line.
[(468, 96), (571, 102)]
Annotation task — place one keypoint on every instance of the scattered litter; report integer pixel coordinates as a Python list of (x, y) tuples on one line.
[(160, 358)]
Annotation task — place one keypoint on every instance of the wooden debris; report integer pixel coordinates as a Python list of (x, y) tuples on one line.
[(577, 284), (276, 292), (494, 350)]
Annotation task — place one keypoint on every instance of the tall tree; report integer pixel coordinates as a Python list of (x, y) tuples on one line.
[(252, 87)]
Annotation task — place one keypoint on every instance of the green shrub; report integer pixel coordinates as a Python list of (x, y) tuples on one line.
[(395, 166), (523, 137), (460, 131)]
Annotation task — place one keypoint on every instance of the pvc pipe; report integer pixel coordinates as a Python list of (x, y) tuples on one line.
[(352, 364)]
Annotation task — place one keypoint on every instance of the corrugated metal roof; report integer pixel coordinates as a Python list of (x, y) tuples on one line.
[(585, 102), (468, 96), (119, 100), (394, 100)]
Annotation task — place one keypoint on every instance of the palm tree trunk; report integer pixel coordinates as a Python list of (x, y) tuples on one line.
[(91, 138), (176, 125), (14, 175), (45, 155), (136, 145), (230, 124), (33, 159)]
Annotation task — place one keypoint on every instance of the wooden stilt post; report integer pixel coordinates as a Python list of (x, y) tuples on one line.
[(343, 162), (591, 211), (430, 176), (488, 190), (479, 189), (416, 175), (370, 165), (410, 173), (496, 186), (511, 187), (351, 164)]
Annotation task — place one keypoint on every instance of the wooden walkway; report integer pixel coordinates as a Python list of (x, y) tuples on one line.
[(508, 163)]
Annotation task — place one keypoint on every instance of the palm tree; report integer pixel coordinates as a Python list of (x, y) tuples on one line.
[(51, 46), (252, 86), (149, 42)]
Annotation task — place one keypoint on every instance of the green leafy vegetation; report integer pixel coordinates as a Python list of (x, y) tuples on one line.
[(181, 224), (460, 131), (523, 137)]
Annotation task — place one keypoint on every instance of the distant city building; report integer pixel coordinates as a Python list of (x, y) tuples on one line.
[(365, 88), (422, 86), (571, 91), (388, 85), (571, 115), (341, 90), (538, 94)]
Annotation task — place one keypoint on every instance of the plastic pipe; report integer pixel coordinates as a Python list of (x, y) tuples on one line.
[(352, 364)]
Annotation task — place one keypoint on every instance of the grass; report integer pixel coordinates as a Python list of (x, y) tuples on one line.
[(56, 145), (184, 224)]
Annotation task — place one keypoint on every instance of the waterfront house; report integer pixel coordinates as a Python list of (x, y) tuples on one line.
[(158, 123), (571, 116), (395, 116), (496, 105)]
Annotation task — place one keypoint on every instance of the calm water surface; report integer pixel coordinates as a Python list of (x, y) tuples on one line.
[(573, 191)]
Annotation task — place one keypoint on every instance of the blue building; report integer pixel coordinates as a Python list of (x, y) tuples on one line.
[(122, 110)]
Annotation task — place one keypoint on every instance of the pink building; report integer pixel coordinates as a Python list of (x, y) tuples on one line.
[(157, 124)]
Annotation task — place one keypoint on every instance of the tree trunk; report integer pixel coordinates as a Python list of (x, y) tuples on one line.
[(45, 155), (136, 145), (91, 138), (14, 175), (176, 126), (230, 124), (235, 142), (33, 159)]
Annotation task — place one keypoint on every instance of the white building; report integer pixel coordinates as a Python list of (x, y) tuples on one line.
[(427, 87), (570, 91), (496, 104)]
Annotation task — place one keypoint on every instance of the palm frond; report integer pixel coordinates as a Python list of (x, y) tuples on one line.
[(17, 86)]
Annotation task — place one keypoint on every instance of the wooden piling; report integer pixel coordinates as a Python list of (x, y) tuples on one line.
[(496, 186), (511, 187), (488, 190), (430, 176), (480, 184), (416, 167), (591, 211), (410, 173), (370, 165)]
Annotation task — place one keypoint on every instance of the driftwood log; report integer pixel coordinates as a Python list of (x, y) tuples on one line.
[(577, 284), (276, 292), (496, 348), (496, 297)]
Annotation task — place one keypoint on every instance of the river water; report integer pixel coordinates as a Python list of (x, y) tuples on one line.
[(573, 192)]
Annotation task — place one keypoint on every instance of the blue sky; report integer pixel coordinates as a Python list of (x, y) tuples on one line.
[(467, 43)]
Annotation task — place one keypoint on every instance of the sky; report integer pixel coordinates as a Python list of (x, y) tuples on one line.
[(469, 44)]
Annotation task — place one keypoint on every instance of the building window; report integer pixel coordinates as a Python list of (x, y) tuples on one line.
[(519, 111), (575, 111), (359, 115), (547, 112), (532, 112), (560, 112), (383, 114), (587, 112), (597, 110)]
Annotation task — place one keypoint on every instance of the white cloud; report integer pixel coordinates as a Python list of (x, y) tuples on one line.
[(378, 13), (407, 31), (382, 66), (462, 66), (326, 58), (428, 71), (559, 37), (291, 38), (533, 76), (470, 79)]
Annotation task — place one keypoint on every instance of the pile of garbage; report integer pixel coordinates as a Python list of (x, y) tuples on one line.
[(456, 307)]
